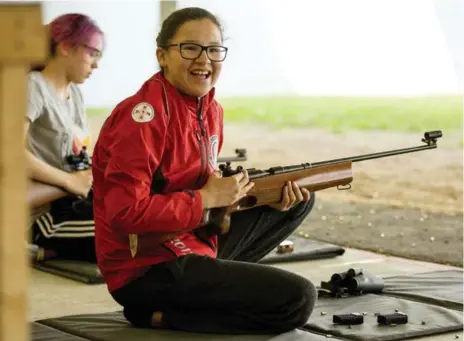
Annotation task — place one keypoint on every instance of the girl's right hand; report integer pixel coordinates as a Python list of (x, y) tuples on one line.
[(221, 192), (79, 183)]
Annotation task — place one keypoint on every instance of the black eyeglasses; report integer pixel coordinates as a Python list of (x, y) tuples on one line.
[(215, 53)]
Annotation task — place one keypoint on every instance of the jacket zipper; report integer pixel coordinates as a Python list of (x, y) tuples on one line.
[(200, 145), (204, 163), (205, 138)]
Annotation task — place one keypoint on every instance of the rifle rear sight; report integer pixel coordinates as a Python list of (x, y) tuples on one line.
[(430, 140)]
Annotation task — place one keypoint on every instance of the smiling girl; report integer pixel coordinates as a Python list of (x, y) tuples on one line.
[(155, 174)]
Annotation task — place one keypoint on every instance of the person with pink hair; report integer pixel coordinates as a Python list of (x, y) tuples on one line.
[(56, 128)]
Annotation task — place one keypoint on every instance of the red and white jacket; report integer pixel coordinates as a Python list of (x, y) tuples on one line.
[(154, 152)]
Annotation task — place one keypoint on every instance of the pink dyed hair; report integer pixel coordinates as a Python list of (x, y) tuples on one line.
[(73, 29)]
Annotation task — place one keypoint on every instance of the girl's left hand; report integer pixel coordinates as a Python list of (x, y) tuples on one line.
[(291, 196)]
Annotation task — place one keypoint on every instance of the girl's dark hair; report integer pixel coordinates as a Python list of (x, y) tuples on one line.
[(177, 18), (73, 29)]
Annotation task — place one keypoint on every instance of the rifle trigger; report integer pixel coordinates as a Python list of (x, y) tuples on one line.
[(343, 188)]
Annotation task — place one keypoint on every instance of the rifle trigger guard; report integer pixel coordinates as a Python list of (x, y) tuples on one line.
[(344, 188)]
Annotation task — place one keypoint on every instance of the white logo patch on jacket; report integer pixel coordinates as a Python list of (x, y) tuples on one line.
[(213, 151), (143, 112)]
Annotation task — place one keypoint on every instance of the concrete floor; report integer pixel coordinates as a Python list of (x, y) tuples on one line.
[(53, 296)]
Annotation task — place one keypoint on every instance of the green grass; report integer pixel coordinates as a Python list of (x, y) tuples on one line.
[(345, 113), (92, 112)]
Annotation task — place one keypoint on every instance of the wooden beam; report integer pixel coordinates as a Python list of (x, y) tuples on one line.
[(21, 34), (23, 42), (166, 8)]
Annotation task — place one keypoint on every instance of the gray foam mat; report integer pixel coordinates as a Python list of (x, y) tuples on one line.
[(113, 327), (84, 272), (304, 249), (39, 332), (423, 319), (443, 288), (438, 290), (301, 335)]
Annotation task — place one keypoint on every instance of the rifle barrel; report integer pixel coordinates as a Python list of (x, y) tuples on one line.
[(232, 158), (430, 140), (375, 155)]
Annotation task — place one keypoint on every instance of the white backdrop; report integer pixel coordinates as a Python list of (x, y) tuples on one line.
[(356, 47)]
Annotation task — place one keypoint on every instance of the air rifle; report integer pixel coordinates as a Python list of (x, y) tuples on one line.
[(314, 177)]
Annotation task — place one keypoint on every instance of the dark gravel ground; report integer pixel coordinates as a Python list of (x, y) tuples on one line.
[(413, 234)]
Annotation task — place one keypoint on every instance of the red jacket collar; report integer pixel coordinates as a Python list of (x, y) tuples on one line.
[(188, 99)]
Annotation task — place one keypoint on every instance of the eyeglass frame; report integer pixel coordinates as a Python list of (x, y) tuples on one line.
[(202, 47), (92, 50)]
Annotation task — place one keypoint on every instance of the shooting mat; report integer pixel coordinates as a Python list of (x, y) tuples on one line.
[(85, 272), (40, 332), (423, 319), (443, 288), (304, 249), (113, 327), (436, 289)]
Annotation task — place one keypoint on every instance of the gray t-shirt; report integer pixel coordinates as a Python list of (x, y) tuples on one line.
[(58, 127)]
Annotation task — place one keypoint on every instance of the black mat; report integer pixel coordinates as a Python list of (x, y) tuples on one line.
[(84, 272), (443, 288), (113, 327), (301, 335), (40, 332), (304, 249), (438, 290), (423, 319)]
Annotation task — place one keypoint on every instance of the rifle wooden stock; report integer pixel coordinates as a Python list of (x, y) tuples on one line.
[(268, 190)]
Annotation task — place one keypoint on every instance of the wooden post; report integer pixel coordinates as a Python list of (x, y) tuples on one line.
[(166, 8), (22, 42)]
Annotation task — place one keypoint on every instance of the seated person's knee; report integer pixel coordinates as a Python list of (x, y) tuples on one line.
[(304, 296), (308, 297)]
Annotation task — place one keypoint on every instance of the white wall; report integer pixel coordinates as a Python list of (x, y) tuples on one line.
[(356, 47)]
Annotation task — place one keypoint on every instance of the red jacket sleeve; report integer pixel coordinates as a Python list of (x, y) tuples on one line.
[(135, 155)]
